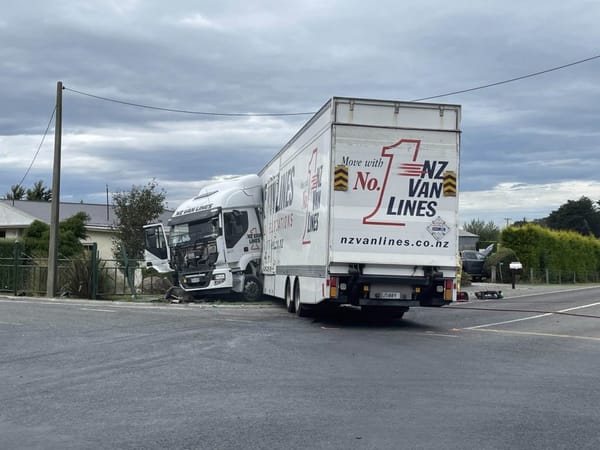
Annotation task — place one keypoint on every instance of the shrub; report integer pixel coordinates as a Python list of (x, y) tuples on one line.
[(77, 275), (501, 260)]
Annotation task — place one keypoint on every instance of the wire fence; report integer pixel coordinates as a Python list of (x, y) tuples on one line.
[(544, 276), (547, 276)]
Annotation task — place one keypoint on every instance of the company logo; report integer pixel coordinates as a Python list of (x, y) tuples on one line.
[(254, 239), (410, 186), (312, 197)]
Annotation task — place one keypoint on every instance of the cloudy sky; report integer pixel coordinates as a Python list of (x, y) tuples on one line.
[(527, 146)]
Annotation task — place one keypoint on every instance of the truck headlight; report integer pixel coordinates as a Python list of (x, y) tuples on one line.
[(219, 278)]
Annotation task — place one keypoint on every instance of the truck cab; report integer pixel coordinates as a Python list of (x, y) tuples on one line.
[(212, 244)]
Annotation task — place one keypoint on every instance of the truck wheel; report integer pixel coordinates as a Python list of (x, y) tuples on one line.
[(301, 310), (289, 302), (252, 288)]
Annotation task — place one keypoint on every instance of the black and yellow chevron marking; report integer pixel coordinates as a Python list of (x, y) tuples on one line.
[(449, 184), (340, 178)]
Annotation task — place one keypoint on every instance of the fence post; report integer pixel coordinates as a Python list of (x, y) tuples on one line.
[(129, 273), (547, 276), (94, 272), (17, 257)]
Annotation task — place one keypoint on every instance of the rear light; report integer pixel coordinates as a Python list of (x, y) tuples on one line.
[(448, 289), (333, 292)]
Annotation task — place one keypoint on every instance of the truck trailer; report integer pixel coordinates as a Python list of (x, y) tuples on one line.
[(360, 207)]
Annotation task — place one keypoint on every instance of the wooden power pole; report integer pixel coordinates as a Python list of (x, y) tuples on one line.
[(55, 211)]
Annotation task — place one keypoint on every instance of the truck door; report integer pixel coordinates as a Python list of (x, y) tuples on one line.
[(156, 253), (236, 234)]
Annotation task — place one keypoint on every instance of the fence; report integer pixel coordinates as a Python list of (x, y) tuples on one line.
[(545, 276), (86, 277)]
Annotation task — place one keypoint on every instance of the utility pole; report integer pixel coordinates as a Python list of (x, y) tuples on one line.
[(55, 211)]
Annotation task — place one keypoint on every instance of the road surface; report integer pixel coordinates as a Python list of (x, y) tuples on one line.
[(516, 373)]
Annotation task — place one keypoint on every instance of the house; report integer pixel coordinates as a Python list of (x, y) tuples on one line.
[(17, 215)]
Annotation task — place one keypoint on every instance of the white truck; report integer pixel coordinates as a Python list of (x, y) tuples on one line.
[(359, 208), (213, 242)]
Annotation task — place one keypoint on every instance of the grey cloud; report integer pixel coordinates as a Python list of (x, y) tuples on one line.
[(272, 56)]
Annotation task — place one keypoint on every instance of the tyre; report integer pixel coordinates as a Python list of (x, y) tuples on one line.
[(252, 288), (301, 310), (289, 301)]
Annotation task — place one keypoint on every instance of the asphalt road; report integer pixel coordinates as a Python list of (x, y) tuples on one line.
[(495, 374)]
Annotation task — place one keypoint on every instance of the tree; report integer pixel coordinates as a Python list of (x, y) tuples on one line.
[(39, 192), (487, 232), (134, 209), (71, 232), (17, 192), (580, 215)]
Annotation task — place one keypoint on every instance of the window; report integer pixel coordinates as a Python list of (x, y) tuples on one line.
[(236, 225), (2, 234), (155, 242)]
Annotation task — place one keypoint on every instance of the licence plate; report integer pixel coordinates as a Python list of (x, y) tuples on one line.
[(194, 280), (388, 295)]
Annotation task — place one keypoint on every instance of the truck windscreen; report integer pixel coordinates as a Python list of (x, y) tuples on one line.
[(183, 233)]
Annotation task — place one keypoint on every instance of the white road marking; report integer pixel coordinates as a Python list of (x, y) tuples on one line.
[(507, 321), (97, 309), (433, 333), (533, 333), (532, 317)]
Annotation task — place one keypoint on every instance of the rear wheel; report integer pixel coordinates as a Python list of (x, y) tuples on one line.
[(289, 301), (301, 310)]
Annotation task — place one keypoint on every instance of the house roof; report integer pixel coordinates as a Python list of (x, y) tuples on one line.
[(20, 213), (13, 218)]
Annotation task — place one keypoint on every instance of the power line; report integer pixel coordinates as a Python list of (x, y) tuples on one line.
[(39, 147), (498, 83), (204, 113), (184, 111)]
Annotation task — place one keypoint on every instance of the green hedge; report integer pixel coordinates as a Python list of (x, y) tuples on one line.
[(542, 248)]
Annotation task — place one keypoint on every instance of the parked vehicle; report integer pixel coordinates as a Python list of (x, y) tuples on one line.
[(359, 208), (473, 262)]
